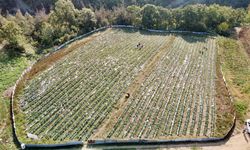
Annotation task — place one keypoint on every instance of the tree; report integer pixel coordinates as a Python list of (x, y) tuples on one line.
[(121, 16), (223, 28), (237, 17), (167, 20), (64, 13), (102, 17), (193, 18), (26, 22), (63, 19), (29, 24), (45, 35), (150, 16), (41, 16), (17, 42), (135, 14), (86, 20), (247, 16)]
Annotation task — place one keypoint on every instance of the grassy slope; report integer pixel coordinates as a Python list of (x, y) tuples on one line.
[(236, 68), (10, 69)]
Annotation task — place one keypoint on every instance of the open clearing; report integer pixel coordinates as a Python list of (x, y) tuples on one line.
[(171, 81)]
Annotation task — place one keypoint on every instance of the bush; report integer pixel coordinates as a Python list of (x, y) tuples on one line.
[(241, 109), (223, 29), (17, 43)]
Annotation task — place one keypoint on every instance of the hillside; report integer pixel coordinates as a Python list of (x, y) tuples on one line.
[(125, 84), (32, 5), (81, 96)]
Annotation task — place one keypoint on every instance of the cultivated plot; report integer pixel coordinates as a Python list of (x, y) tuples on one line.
[(170, 80)]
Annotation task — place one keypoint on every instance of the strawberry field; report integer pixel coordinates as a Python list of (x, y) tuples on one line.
[(170, 81)]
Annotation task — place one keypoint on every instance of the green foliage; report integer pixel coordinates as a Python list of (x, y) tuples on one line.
[(11, 68), (193, 18), (223, 28), (150, 16), (135, 15), (215, 18), (241, 109), (25, 22), (45, 34), (17, 42), (247, 19), (63, 20), (121, 16), (102, 17), (167, 20), (86, 20), (109, 4), (247, 16), (64, 13)]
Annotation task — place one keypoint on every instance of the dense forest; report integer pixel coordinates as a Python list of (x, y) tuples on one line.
[(32, 5), (25, 33)]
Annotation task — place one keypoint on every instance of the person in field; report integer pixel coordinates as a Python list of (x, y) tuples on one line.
[(127, 95), (139, 45)]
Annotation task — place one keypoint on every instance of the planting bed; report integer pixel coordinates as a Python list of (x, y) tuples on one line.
[(170, 80)]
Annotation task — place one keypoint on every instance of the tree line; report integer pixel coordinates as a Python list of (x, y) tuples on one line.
[(28, 34), (32, 5)]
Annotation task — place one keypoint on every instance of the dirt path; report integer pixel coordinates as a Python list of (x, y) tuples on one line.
[(244, 37), (133, 87), (237, 142)]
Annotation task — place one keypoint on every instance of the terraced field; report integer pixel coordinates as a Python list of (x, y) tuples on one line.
[(171, 83)]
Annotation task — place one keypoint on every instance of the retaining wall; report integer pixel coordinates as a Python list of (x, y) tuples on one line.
[(106, 142)]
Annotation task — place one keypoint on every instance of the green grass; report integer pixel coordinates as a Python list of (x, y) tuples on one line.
[(241, 109), (10, 70), (236, 67)]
